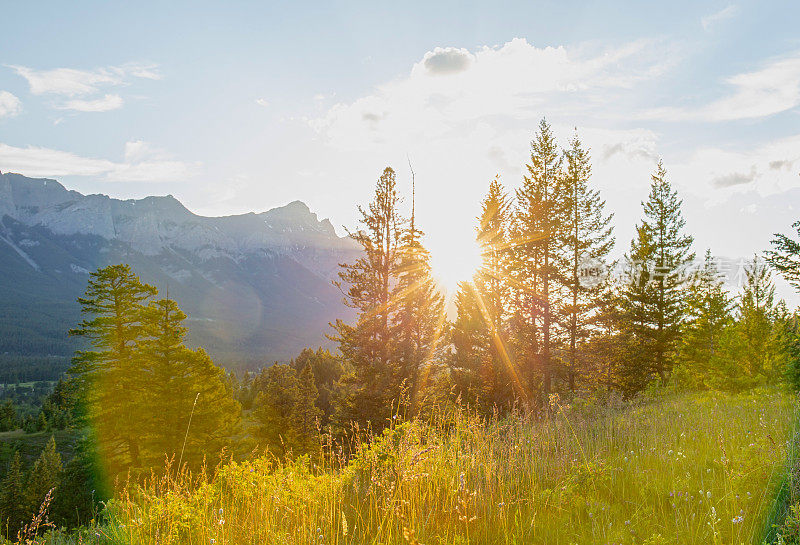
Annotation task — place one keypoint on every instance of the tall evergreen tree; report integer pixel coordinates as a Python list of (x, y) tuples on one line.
[(326, 369), (759, 352), (708, 317), (8, 416), (284, 410), (187, 409), (655, 292), (108, 376), (785, 256), (14, 510), (587, 238), (481, 364), (83, 486), (306, 413), (540, 219), (419, 319), (45, 475), (368, 283)]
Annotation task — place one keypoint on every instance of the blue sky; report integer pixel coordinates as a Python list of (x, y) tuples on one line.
[(243, 106)]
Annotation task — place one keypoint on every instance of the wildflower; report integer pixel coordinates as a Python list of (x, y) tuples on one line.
[(708, 493), (737, 520)]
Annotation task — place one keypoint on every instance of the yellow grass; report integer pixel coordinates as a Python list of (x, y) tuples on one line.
[(699, 468)]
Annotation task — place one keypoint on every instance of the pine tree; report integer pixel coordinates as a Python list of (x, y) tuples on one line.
[(83, 487), (41, 422), (472, 343), (708, 317), (759, 353), (587, 238), (326, 369), (284, 410), (306, 413), (540, 218), (14, 510), (108, 378), (419, 319), (785, 256), (8, 416), (187, 408), (481, 363), (369, 345), (45, 475), (654, 294)]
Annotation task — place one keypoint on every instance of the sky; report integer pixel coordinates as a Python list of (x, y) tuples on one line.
[(244, 106)]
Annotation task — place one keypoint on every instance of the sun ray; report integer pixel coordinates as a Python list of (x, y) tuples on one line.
[(498, 343)]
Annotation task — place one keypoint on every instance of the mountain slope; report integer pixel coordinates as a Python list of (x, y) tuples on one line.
[(257, 287)]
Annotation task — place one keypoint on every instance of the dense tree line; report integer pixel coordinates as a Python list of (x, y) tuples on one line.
[(548, 313)]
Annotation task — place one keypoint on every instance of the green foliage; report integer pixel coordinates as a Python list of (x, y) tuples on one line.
[(139, 365), (285, 410), (83, 488), (539, 224), (13, 506), (369, 345), (654, 294), (327, 369), (186, 408), (785, 256), (108, 376), (759, 353), (418, 324), (479, 364), (705, 343), (790, 529), (586, 239), (8, 416), (791, 345), (45, 475)]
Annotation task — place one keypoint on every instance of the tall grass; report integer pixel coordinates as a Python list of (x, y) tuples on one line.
[(681, 469)]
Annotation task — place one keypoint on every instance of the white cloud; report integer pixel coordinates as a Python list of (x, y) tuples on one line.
[(768, 169), (103, 104), (72, 82), (727, 12), (517, 82), (770, 90), (10, 105), (142, 163)]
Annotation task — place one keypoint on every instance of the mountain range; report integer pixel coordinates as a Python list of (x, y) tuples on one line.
[(257, 287)]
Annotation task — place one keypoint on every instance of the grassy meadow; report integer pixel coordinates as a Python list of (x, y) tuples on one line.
[(683, 468)]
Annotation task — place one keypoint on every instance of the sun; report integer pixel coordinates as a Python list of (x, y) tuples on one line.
[(455, 260)]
